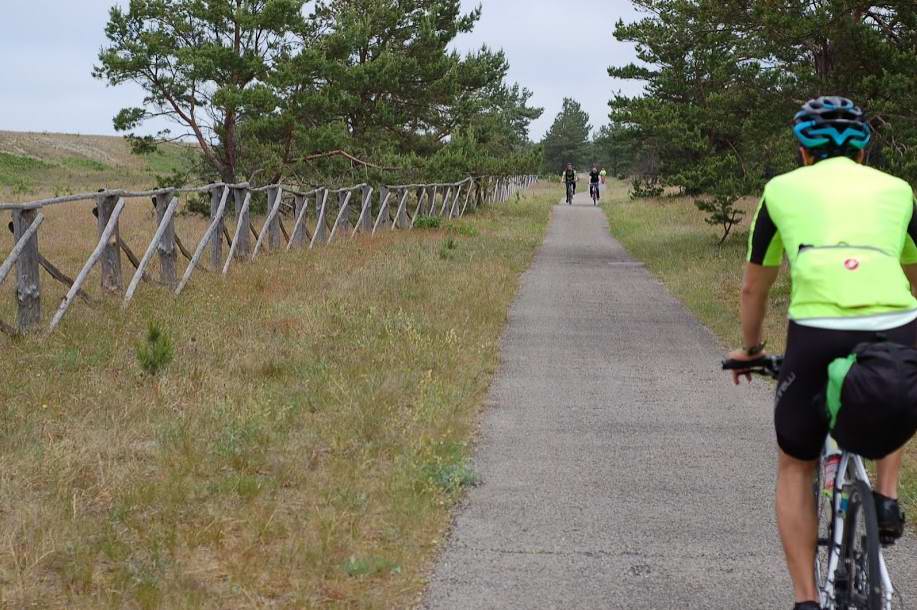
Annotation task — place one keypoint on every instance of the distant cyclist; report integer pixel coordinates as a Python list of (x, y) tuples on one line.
[(849, 234), (570, 182), (594, 191), (603, 175)]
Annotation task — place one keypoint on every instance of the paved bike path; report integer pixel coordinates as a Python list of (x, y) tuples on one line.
[(619, 469)]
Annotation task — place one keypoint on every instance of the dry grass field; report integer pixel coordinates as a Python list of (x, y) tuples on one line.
[(669, 234), (302, 449)]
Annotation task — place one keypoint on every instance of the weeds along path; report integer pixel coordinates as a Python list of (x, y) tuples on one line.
[(301, 450), (618, 468)]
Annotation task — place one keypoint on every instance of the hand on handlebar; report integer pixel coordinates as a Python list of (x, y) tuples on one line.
[(735, 357), (742, 365)]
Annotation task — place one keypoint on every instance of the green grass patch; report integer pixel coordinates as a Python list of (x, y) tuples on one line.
[(463, 229), (449, 469), (425, 221), (16, 171), (169, 159), (669, 235), (18, 163), (82, 164), (370, 566), (447, 248)]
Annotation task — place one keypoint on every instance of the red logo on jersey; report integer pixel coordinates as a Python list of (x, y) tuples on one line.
[(852, 264)]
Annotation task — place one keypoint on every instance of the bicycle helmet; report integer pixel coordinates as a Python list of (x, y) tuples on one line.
[(832, 125)]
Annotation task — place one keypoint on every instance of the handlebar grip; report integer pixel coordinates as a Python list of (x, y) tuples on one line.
[(742, 365)]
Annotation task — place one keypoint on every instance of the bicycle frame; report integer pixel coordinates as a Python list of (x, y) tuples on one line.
[(850, 468)]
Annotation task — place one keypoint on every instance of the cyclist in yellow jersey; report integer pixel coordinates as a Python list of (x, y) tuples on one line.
[(848, 233)]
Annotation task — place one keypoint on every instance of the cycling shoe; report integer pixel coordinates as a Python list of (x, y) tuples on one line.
[(891, 519), (807, 606)]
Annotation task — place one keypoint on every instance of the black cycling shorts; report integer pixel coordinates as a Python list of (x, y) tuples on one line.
[(799, 419)]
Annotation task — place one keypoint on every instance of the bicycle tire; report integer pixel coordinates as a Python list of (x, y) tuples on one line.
[(860, 550), (824, 510)]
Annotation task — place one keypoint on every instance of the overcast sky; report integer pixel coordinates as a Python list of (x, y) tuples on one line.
[(556, 48)]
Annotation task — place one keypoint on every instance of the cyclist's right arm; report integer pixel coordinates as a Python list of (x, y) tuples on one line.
[(765, 253)]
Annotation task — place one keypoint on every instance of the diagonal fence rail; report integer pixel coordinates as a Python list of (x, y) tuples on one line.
[(319, 216)]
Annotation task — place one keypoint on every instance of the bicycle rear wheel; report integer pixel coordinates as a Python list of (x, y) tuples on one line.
[(824, 509), (858, 571)]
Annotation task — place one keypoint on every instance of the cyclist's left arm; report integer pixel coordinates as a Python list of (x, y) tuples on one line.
[(909, 253), (911, 272)]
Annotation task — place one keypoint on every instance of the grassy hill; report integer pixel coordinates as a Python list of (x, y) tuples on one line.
[(37, 165)]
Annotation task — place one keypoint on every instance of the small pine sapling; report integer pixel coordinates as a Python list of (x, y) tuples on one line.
[(156, 352)]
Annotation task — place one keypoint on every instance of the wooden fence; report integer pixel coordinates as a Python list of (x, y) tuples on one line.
[(319, 216)]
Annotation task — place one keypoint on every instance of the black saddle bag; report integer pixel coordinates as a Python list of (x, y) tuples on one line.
[(871, 399)]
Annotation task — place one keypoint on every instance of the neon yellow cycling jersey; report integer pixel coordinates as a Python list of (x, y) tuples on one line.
[(846, 230)]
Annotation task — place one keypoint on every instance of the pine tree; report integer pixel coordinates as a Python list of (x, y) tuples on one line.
[(567, 141), (205, 64)]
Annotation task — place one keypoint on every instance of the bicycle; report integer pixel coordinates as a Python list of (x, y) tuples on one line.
[(850, 568), (594, 192), (571, 190)]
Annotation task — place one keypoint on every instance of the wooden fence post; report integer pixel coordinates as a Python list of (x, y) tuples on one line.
[(446, 195), (344, 200), (365, 223), (205, 240), (320, 235), (456, 195), (111, 254), (243, 242), (342, 221), (166, 247), (216, 242), (274, 236), (402, 220), (433, 201), (28, 279), (421, 199), (384, 218), (298, 237), (164, 224), (468, 187)]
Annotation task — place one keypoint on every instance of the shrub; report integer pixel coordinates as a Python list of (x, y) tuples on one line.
[(425, 221), (645, 187), (445, 250), (465, 230), (449, 470), (721, 212), (451, 478), (157, 352)]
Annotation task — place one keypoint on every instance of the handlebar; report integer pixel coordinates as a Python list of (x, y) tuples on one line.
[(766, 366)]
